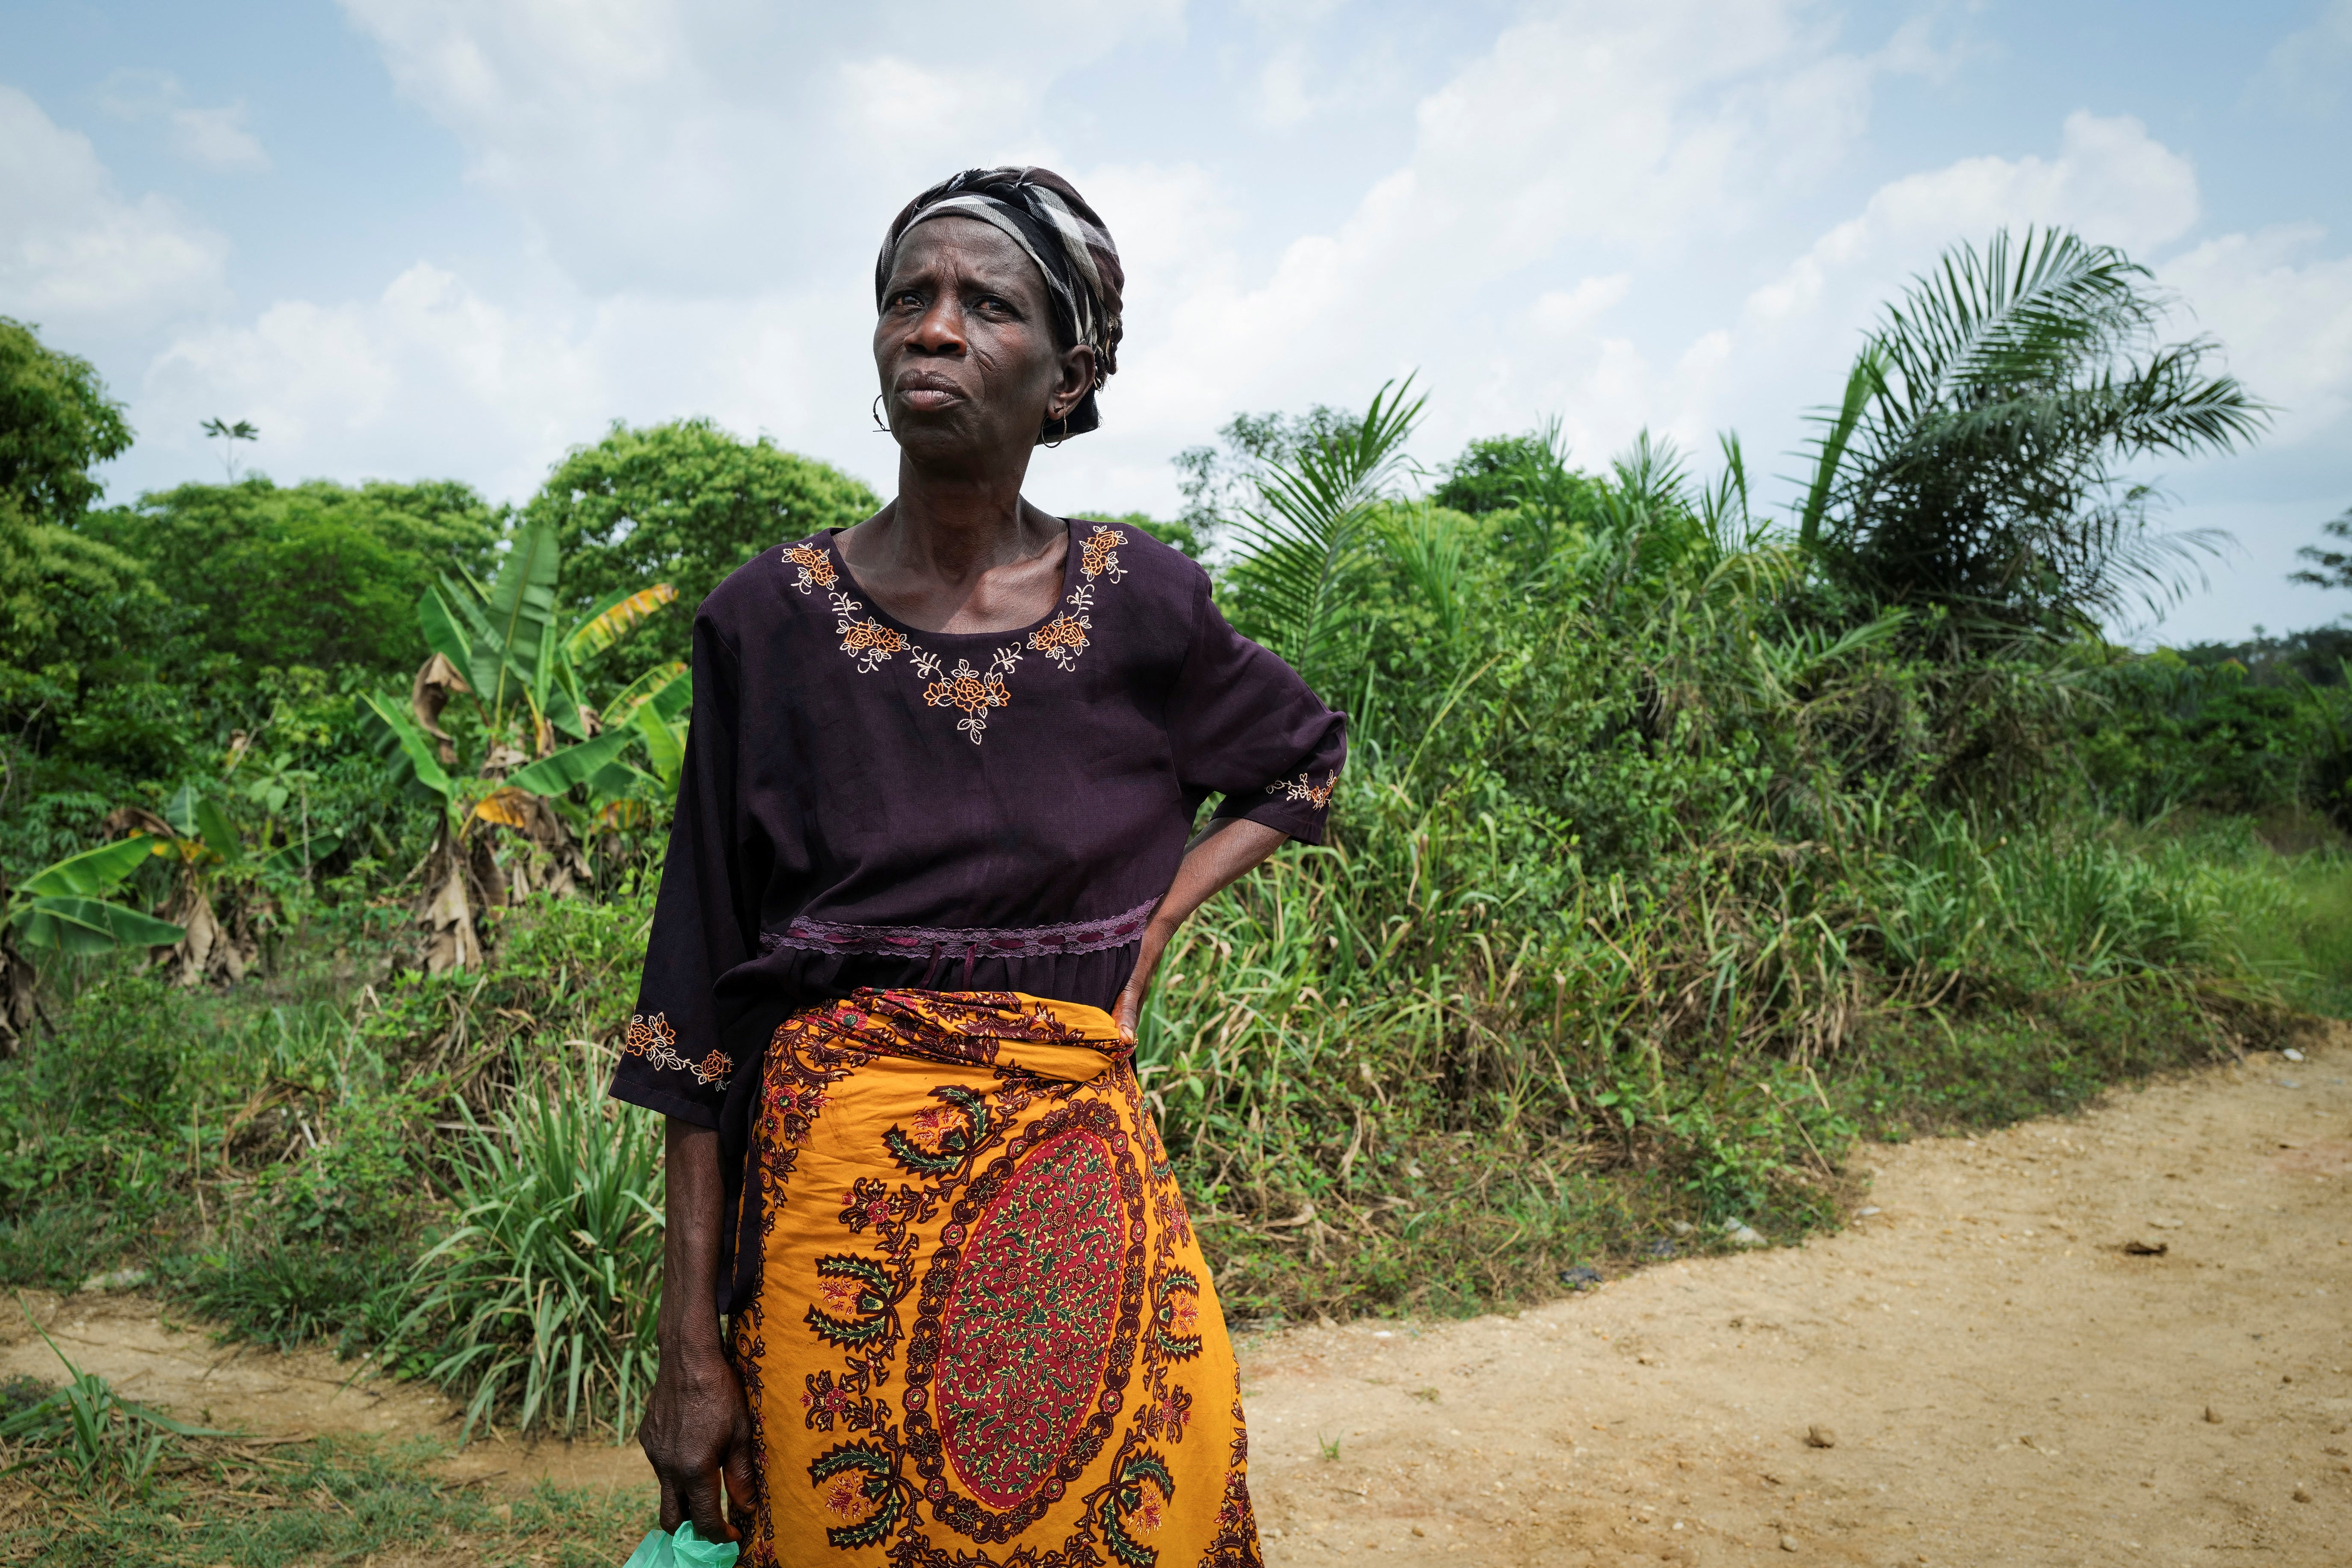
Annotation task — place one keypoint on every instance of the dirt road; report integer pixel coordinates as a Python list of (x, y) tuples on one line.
[(1986, 1376), (1998, 1378)]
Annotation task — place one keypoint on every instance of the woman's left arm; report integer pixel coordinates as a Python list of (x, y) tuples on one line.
[(1214, 861)]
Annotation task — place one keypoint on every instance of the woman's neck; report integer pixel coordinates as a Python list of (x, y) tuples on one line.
[(958, 553), (953, 526)]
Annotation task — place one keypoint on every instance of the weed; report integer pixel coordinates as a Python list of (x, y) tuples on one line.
[(541, 1301), (104, 1440)]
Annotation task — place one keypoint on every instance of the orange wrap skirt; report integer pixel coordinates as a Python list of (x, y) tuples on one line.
[(983, 1334)]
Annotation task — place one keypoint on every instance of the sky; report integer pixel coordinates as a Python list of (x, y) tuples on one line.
[(453, 238)]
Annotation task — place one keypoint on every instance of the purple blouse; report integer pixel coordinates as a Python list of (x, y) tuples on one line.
[(867, 805)]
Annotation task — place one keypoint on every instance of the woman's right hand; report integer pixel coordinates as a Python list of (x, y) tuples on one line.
[(697, 1427), (698, 1430)]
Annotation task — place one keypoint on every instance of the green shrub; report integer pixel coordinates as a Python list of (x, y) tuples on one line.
[(539, 1305)]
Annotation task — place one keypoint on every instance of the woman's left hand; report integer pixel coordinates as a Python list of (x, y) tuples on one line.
[(1216, 858)]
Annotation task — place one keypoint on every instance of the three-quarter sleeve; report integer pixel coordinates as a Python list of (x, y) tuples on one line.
[(1244, 725), (673, 1058)]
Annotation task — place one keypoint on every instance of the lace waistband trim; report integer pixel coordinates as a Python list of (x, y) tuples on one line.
[(966, 942)]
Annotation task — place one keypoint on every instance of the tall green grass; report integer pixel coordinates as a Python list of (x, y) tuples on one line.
[(541, 1300)]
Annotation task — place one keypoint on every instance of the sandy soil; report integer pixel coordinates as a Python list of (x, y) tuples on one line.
[(1997, 1380), (1976, 1372)]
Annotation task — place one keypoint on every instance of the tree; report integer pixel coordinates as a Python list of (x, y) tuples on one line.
[(229, 436), (683, 503), (2334, 566), (1976, 464), (66, 600), (1219, 483), (1527, 475), (319, 574), (1314, 512), (55, 424)]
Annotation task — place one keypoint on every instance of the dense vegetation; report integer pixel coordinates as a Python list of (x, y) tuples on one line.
[(1679, 845)]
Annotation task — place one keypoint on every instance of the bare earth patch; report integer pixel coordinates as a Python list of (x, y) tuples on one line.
[(1998, 1380), (1978, 1373)]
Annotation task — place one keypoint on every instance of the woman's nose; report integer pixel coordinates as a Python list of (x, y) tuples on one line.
[(939, 329)]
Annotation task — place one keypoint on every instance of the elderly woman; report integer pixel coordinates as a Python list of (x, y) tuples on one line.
[(930, 1296)]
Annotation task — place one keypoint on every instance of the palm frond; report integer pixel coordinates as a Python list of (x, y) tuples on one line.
[(1296, 544), (1976, 460)]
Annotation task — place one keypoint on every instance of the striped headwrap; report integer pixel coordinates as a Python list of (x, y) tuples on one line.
[(1045, 216)]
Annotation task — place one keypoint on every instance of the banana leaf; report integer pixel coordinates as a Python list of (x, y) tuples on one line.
[(446, 631), (572, 765), (94, 873), (664, 745), (614, 616), (77, 925), (398, 735), (672, 682), (219, 837), (521, 609)]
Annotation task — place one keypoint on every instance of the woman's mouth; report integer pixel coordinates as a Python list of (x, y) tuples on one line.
[(925, 393)]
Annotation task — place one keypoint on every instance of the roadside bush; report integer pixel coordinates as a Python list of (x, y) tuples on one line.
[(539, 1303)]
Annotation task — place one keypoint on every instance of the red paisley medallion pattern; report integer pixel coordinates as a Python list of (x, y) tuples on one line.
[(1023, 1338)]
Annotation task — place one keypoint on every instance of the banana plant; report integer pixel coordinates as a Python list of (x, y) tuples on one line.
[(520, 671), (502, 650), (69, 907), (195, 834)]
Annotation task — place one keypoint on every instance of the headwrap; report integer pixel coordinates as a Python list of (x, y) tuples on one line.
[(1045, 216)]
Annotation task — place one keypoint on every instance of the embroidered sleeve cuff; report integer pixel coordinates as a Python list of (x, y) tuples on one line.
[(1298, 805), (656, 1074)]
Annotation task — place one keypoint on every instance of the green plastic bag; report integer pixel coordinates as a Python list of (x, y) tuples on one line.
[(684, 1549)]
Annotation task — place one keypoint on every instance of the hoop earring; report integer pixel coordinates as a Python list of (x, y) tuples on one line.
[(1064, 423), (879, 427)]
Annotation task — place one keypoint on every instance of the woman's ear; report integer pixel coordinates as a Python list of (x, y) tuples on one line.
[(1078, 379)]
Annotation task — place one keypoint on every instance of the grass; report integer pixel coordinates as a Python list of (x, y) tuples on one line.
[(542, 1297), (339, 1500), (105, 1480)]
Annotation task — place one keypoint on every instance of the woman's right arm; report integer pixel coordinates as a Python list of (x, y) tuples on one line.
[(673, 1062), (697, 1427)]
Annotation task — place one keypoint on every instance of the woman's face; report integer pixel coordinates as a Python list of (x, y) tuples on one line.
[(965, 346)]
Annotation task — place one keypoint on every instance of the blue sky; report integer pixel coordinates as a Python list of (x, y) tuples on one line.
[(428, 237)]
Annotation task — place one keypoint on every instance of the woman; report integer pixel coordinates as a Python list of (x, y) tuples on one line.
[(931, 842)]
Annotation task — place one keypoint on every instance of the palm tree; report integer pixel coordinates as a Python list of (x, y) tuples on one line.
[(1316, 513), (1977, 463)]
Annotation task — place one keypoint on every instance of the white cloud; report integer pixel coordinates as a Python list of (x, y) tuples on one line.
[(2110, 181), (217, 139), (2283, 312), (74, 253), (1565, 311), (212, 138), (1593, 128), (433, 376), (702, 150), (358, 388), (1282, 100)]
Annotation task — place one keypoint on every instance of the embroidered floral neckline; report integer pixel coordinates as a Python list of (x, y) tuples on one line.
[(971, 691)]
